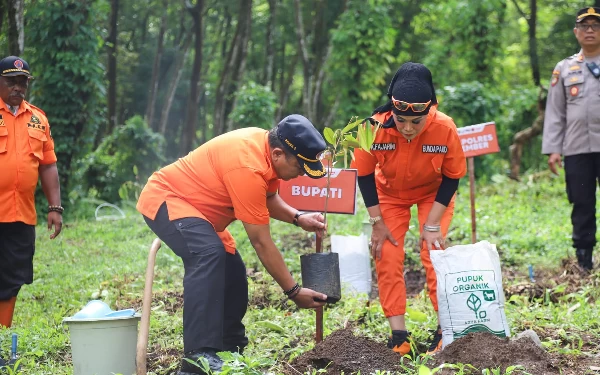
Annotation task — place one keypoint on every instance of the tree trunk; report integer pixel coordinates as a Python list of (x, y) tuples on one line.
[(307, 74), (532, 38), (284, 90), (268, 71), (153, 89), (177, 71), (533, 54), (238, 74), (525, 136), (111, 42), (313, 67), (233, 68), (16, 32), (188, 135), (2, 12)]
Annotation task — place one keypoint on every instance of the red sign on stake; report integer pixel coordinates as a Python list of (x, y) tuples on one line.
[(479, 139), (308, 194)]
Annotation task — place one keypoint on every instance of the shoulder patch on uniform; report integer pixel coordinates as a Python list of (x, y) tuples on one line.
[(435, 149), (39, 109), (554, 80), (383, 147)]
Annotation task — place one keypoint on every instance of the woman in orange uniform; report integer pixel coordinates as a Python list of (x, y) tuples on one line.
[(416, 159)]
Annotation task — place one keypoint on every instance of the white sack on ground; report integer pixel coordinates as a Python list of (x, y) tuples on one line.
[(469, 290)]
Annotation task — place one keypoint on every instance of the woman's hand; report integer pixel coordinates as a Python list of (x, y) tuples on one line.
[(433, 240), (380, 234)]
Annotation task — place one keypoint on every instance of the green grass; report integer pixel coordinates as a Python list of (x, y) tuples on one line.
[(528, 221)]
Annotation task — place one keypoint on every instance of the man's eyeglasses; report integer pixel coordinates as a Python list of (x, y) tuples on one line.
[(586, 26), (404, 106)]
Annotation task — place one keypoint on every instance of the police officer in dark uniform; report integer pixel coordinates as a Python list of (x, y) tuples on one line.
[(572, 130)]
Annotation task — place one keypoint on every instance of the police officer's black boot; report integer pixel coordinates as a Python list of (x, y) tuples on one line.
[(584, 258), (214, 362)]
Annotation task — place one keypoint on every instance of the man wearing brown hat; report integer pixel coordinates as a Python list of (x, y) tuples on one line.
[(572, 130), (26, 155)]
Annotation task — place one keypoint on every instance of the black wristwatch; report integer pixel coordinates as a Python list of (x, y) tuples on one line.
[(295, 221)]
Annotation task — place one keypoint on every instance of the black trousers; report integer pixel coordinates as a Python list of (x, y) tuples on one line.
[(215, 287), (17, 247), (582, 174)]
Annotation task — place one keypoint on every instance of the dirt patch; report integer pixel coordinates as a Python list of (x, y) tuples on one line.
[(163, 361), (551, 284), (172, 301), (483, 350), (342, 351)]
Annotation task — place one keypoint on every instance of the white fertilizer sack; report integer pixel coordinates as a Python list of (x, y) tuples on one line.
[(469, 291)]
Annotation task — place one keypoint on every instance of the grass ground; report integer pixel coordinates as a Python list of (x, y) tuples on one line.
[(529, 222)]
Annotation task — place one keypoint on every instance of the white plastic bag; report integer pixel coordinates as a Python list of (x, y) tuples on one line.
[(355, 262), (469, 291)]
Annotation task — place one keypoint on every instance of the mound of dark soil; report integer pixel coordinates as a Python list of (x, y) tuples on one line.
[(341, 351), (484, 350)]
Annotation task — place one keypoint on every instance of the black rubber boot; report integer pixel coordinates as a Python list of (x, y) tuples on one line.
[(214, 362), (584, 258)]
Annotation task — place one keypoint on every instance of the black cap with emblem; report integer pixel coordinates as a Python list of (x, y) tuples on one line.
[(583, 13), (303, 141), (14, 66)]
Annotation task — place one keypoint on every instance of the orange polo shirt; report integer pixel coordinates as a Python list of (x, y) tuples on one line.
[(25, 143), (410, 170), (225, 179)]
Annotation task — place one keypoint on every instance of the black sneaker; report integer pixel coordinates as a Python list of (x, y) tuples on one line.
[(436, 342), (214, 362), (2, 363)]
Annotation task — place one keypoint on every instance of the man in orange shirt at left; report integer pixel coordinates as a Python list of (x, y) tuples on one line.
[(26, 154)]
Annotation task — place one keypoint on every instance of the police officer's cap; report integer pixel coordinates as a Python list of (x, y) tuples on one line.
[(301, 139), (14, 66), (583, 13)]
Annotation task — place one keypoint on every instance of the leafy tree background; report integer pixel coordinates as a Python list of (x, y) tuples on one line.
[(108, 68)]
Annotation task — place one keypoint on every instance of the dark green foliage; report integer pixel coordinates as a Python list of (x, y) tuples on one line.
[(68, 73), (362, 52), (130, 154), (255, 106)]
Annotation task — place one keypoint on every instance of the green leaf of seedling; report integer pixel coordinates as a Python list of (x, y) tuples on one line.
[(424, 370), (351, 126), (362, 138), (416, 315), (350, 141), (329, 135), (270, 325), (350, 144)]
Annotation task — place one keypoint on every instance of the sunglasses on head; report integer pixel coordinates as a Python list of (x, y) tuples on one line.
[(404, 106)]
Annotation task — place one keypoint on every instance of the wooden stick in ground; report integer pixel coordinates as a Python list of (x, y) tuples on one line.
[(142, 342)]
